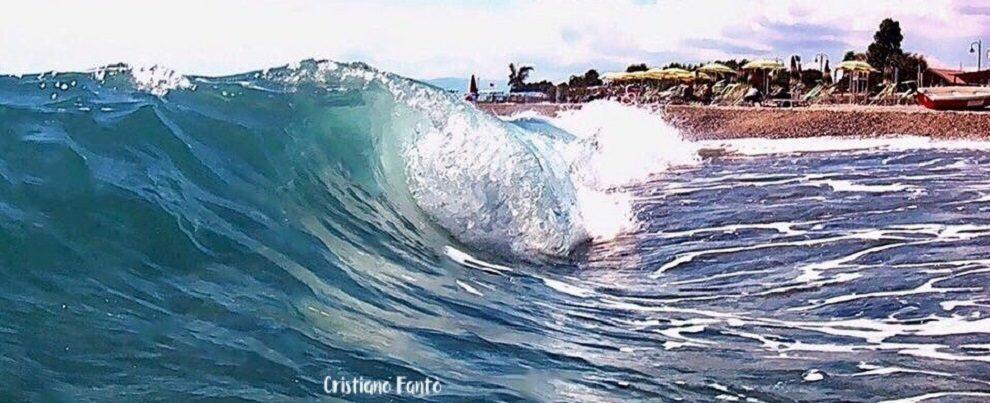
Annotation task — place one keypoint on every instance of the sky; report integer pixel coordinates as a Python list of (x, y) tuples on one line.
[(446, 38)]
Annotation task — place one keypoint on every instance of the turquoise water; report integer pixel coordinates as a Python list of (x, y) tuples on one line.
[(244, 237)]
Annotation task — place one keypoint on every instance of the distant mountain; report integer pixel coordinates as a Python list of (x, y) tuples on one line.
[(460, 84)]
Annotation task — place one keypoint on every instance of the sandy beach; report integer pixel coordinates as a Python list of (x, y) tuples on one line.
[(723, 122)]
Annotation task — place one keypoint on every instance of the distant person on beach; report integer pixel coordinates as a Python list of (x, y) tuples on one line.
[(753, 95), (706, 93)]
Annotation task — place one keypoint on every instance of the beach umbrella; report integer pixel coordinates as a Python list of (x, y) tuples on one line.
[(856, 66), (675, 71), (657, 74), (766, 65), (716, 68), (612, 76), (621, 76), (679, 74), (669, 74)]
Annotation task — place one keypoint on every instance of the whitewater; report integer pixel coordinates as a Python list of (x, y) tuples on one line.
[(172, 237)]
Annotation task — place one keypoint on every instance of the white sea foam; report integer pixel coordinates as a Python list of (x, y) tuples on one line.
[(618, 145), (467, 287), (874, 332), (939, 395), (813, 375), (849, 186), (155, 80), (629, 143), (473, 262), (761, 146), (568, 289), (786, 228)]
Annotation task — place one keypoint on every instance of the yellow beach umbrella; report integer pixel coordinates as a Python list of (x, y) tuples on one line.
[(657, 74), (669, 74), (856, 66), (716, 68), (621, 76), (613, 76), (638, 75), (675, 71), (765, 64)]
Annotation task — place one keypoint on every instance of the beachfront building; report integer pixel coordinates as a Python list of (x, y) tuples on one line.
[(947, 77)]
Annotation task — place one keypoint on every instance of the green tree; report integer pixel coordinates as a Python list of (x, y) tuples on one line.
[(589, 79), (910, 64), (885, 51), (810, 78), (679, 65), (592, 78), (517, 77), (850, 55), (795, 70), (733, 63), (636, 67)]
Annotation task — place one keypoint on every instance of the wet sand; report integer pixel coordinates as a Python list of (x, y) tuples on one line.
[(725, 122)]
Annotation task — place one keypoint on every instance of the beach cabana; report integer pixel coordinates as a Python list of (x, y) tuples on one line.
[(856, 68), (766, 66)]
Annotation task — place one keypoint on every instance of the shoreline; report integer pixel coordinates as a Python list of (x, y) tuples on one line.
[(698, 122)]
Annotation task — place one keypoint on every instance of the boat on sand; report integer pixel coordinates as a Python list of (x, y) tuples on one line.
[(954, 97)]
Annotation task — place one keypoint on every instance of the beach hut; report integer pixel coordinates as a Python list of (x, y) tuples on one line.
[(766, 66)]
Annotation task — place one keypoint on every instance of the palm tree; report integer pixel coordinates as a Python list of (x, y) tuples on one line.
[(517, 78)]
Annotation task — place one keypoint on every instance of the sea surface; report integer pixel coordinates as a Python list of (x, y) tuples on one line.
[(242, 238)]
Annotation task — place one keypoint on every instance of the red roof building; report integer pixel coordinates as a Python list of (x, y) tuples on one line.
[(945, 77)]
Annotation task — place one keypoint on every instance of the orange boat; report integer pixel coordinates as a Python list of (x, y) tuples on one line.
[(954, 98)]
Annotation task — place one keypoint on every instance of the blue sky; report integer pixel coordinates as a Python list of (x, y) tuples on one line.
[(429, 39)]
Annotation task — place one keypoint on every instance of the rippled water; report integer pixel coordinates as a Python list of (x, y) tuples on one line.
[(827, 276)]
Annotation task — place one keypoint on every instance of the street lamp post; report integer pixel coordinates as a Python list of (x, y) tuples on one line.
[(978, 50), (821, 58)]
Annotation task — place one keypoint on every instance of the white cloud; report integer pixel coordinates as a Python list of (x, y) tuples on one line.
[(446, 38)]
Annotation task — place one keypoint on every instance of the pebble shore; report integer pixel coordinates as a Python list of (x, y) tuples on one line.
[(716, 122)]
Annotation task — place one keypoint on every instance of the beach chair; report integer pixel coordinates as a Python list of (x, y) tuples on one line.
[(884, 97)]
